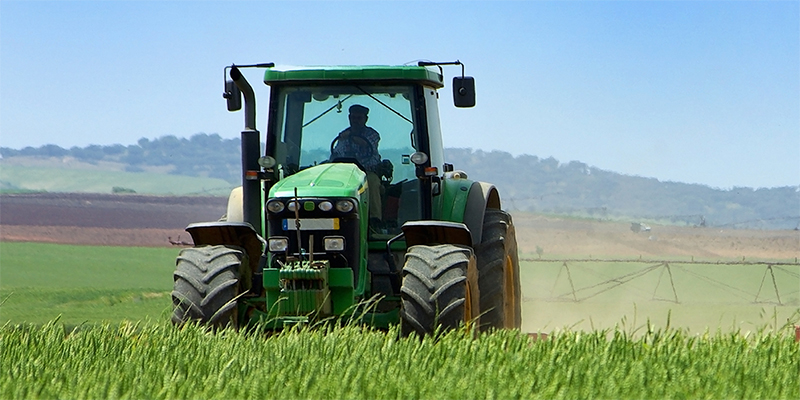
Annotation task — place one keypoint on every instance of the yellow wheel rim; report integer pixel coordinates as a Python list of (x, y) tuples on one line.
[(510, 298), (468, 304)]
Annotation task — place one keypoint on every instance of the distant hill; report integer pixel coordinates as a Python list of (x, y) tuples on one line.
[(526, 183), (548, 186), (202, 155)]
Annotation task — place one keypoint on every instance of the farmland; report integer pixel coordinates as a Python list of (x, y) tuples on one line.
[(79, 284), (676, 312), (129, 261), (42, 281)]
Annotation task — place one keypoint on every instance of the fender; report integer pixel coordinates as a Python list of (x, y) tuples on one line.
[(436, 232), (235, 211), (237, 234), (466, 201), (451, 202), (482, 196)]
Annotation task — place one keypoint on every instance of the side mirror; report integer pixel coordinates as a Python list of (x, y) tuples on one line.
[(464, 91), (233, 96)]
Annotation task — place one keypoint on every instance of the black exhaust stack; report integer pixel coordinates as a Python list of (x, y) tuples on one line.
[(251, 179)]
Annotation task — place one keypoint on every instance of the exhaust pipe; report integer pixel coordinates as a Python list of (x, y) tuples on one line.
[(251, 179), (249, 98)]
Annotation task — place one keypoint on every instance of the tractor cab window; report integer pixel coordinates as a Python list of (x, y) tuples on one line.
[(372, 126), (311, 118)]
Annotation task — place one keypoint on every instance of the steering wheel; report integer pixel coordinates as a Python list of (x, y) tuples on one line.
[(350, 155)]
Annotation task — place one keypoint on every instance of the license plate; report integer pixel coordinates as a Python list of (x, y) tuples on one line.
[(312, 224)]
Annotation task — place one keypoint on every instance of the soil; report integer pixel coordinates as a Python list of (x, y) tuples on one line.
[(559, 238), (136, 220), (104, 219)]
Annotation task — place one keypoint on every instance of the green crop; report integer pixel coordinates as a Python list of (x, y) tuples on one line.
[(78, 284), (157, 361), (151, 359)]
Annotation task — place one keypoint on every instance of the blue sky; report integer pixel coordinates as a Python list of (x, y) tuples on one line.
[(697, 92)]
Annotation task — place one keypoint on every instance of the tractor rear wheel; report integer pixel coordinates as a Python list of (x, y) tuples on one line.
[(440, 288), (207, 285), (498, 269)]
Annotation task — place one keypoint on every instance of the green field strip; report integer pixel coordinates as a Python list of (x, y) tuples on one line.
[(103, 181), (39, 282)]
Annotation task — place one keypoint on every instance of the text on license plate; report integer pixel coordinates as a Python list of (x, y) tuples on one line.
[(312, 224)]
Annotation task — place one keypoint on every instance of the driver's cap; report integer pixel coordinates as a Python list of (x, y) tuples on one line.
[(358, 109)]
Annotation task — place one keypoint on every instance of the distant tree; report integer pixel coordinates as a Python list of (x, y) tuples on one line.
[(8, 152), (576, 166), (550, 163), (29, 151), (134, 155), (51, 150), (92, 153), (114, 149), (202, 140)]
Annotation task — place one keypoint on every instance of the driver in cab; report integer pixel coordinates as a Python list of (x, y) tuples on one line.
[(361, 142)]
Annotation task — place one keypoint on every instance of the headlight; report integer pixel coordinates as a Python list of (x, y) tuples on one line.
[(344, 206), (419, 158), (325, 206), (292, 206), (275, 206), (278, 244), (333, 243), (266, 162)]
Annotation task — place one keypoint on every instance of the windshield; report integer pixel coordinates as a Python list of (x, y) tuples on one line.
[(310, 120)]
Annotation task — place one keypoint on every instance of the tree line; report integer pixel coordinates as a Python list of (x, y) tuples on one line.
[(201, 155), (526, 183), (546, 185)]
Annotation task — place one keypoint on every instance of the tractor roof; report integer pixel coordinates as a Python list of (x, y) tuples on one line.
[(361, 73)]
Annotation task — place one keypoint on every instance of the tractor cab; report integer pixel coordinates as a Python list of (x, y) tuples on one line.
[(383, 128)]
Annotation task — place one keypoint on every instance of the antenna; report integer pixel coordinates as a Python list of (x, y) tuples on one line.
[(297, 224)]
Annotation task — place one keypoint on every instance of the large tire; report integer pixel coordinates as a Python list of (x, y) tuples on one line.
[(439, 288), (498, 270), (207, 285)]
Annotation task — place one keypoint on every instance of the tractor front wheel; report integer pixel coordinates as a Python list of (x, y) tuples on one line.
[(207, 285), (440, 288), (498, 269)]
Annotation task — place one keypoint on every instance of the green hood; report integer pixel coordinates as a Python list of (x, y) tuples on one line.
[(326, 180)]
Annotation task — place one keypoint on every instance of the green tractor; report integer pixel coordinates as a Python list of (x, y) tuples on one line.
[(351, 213)]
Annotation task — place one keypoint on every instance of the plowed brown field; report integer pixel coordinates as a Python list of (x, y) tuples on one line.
[(101, 219), (134, 220)]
